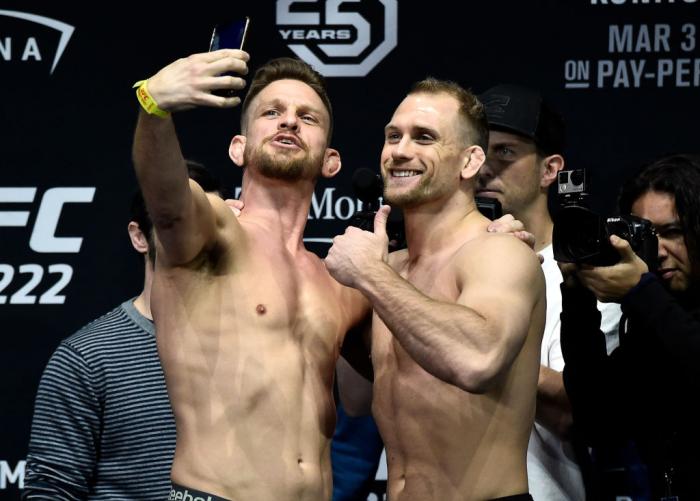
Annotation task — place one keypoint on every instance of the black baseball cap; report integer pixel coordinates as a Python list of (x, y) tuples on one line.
[(513, 108)]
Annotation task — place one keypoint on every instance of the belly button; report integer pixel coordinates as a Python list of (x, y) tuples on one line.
[(260, 309), (299, 461)]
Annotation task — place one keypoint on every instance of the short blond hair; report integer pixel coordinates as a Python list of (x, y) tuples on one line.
[(471, 111)]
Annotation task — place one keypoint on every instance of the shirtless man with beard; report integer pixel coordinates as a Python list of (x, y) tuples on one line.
[(249, 323), (458, 315)]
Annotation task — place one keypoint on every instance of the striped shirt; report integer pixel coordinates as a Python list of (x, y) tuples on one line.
[(103, 427)]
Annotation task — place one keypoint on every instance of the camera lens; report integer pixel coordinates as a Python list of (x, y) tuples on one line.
[(577, 234), (577, 177)]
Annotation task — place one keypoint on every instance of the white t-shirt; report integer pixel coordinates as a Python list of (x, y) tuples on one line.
[(552, 471)]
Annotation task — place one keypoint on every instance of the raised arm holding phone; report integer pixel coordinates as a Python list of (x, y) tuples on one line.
[(249, 323)]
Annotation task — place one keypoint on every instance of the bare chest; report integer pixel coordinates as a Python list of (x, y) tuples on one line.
[(435, 277), (263, 297)]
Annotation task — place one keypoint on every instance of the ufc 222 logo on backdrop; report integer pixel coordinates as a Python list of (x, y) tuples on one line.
[(23, 38), (339, 38), (35, 283)]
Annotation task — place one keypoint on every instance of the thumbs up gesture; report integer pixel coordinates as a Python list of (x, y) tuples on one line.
[(355, 252)]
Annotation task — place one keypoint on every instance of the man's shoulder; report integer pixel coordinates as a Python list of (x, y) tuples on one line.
[(398, 258), (495, 247), (500, 259), (117, 324)]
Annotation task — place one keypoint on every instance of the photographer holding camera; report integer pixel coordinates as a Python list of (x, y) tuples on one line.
[(644, 390), (525, 156)]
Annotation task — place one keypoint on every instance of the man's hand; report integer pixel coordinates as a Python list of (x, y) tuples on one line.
[(355, 252), (611, 283), (508, 224), (188, 82), (235, 205), (568, 272)]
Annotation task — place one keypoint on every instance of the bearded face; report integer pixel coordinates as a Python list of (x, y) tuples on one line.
[(286, 132), (284, 164)]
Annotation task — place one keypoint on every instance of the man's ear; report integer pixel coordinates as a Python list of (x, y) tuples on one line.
[(331, 163), (236, 150), (474, 158), (551, 166), (138, 239)]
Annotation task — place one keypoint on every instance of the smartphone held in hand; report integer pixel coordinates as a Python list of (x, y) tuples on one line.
[(229, 35)]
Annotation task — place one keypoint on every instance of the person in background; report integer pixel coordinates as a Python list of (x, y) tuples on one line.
[(644, 391), (527, 138), (103, 428)]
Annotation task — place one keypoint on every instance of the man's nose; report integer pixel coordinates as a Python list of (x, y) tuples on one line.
[(289, 121), (402, 150), (486, 172)]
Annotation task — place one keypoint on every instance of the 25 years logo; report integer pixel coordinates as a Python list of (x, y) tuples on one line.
[(339, 38)]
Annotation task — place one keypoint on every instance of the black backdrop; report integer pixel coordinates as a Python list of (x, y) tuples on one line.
[(625, 73)]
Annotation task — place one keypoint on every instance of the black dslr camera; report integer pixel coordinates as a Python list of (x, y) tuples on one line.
[(581, 236)]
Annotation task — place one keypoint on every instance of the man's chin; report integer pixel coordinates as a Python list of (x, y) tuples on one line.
[(287, 166), (405, 200), (285, 173)]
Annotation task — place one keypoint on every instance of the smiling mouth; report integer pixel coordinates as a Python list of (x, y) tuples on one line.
[(404, 173)]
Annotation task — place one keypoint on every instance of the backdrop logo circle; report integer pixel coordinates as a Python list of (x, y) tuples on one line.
[(335, 40), (31, 48)]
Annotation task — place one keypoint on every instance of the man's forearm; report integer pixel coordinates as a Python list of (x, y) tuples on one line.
[(450, 341), (553, 406), (161, 169)]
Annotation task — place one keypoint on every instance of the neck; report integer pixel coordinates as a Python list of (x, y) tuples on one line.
[(142, 303), (280, 206), (537, 221), (435, 227)]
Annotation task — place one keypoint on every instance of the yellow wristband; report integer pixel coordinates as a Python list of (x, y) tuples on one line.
[(147, 102)]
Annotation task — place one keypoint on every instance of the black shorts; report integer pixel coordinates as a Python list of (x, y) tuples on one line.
[(516, 497), (180, 493)]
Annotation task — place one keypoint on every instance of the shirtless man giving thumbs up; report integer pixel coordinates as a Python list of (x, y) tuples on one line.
[(458, 315)]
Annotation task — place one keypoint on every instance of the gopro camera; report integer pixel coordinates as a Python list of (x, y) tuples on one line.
[(582, 236)]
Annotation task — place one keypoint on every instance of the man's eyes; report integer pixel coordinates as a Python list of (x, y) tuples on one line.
[(421, 138)]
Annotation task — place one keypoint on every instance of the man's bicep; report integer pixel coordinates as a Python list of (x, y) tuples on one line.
[(504, 287), (507, 313)]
